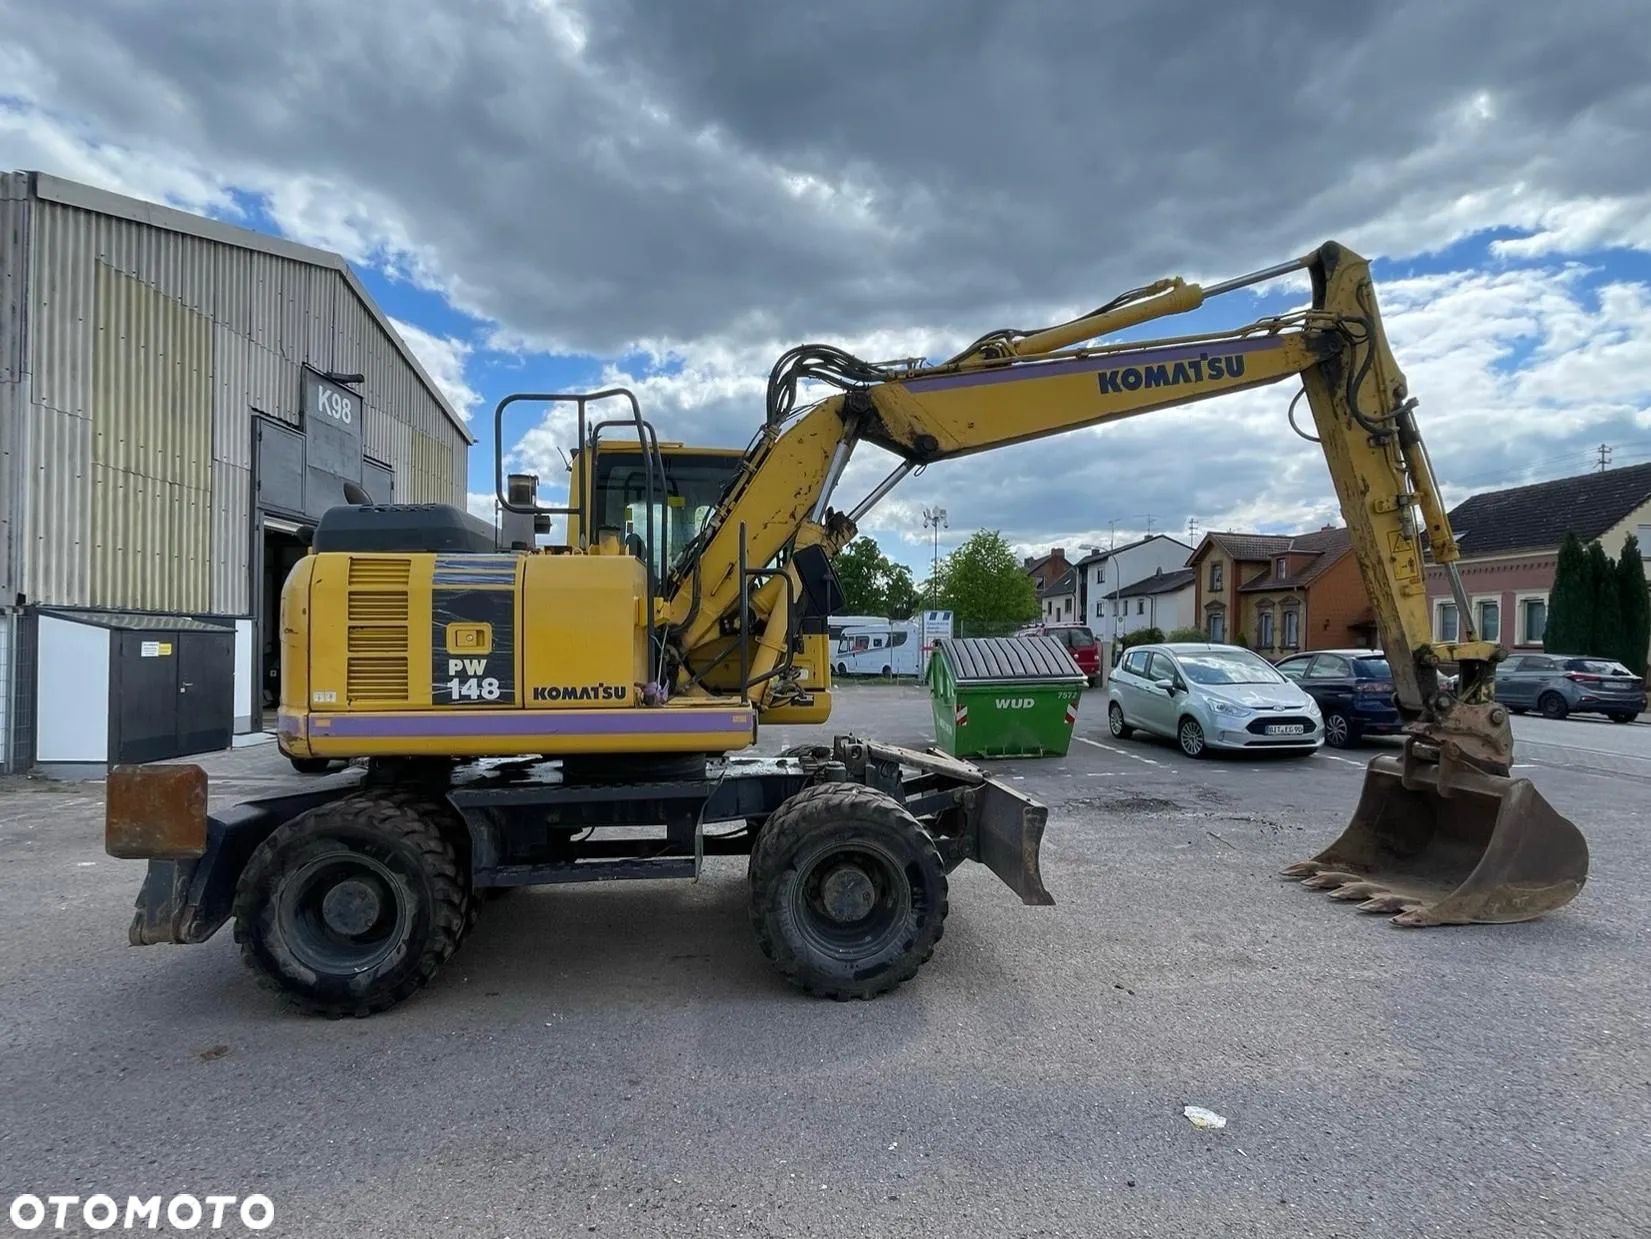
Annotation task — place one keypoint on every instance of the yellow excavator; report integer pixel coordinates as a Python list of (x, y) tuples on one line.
[(525, 714)]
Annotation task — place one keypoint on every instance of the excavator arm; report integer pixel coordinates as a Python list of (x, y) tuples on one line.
[(1443, 833), (1010, 388)]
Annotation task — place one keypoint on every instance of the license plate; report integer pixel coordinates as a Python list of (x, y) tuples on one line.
[(1286, 729)]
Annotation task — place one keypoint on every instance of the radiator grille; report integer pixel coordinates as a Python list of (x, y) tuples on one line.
[(377, 608), (380, 573), (377, 679), (377, 638), (383, 640)]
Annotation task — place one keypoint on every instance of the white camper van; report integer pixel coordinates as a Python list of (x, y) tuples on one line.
[(882, 647)]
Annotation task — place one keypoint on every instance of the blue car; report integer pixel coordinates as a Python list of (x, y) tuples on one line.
[(1354, 691)]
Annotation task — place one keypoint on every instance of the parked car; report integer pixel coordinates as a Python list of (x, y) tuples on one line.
[(1080, 643), (1559, 684), (1354, 689), (1206, 696)]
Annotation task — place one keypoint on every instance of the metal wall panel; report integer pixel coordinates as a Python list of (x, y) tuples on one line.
[(182, 267), (13, 406), (264, 285), (320, 298), (231, 404), (62, 282), (56, 538), (152, 546), (152, 398), (231, 551), (232, 289), (14, 281), (151, 449), (292, 289), (272, 384)]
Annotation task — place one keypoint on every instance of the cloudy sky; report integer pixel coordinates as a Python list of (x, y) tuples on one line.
[(669, 193)]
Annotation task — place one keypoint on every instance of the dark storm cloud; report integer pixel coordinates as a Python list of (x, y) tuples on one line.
[(660, 170)]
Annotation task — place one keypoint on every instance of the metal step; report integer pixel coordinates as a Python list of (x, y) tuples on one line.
[(589, 871)]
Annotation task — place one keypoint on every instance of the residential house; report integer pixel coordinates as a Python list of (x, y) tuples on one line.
[(1104, 575), (1165, 601), (1046, 569), (1510, 548), (1058, 599), (1282, 593), (1056, 581)]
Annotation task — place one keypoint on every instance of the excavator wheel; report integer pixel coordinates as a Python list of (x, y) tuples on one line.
[(353, 906), (848, 891), (1450, 847)]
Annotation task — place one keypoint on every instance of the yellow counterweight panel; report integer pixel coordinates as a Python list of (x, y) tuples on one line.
[(583, 626)]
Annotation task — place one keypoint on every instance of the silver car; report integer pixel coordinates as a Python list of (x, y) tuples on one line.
[(1206, 696)]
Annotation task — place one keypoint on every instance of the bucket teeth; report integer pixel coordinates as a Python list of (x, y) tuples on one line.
[(1358, 890), (1301, 869), (1388, 903), (1328, 879)]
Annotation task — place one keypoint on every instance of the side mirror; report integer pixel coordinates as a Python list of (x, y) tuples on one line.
[(1168, 686)]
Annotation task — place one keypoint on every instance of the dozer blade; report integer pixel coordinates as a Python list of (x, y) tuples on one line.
[(1450, 846)]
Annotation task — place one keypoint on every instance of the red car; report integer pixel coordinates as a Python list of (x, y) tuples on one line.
[(1080, 643)]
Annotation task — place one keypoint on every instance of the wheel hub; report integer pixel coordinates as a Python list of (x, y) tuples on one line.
[(847, 894), (351, 908)]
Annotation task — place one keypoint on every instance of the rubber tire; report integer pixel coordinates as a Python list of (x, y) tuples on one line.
[(1623, 718), (809, 824), (1115, 720), (403, 832), (888, 673), (1349, 733), (842, 669), (1517, 710), (311, 765), (1552, 705), (1203, 748)]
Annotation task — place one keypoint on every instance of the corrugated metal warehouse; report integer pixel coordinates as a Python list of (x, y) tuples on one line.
[(179, 400)]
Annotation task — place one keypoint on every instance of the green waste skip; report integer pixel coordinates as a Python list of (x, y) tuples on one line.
[(1004, 696)]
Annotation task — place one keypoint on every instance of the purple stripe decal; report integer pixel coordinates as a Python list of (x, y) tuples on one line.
[(536, 723), (1093, 365)]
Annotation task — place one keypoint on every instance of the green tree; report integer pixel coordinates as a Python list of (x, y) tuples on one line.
[(1605, 596), (1635, 607), (982, 582), (901, 593), (1568, 601), (866, 575), (1187, 634)]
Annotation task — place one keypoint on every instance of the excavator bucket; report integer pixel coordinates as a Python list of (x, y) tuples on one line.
[(1441, 843)]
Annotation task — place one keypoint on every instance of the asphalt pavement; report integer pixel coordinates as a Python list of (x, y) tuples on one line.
[(619, 1058)]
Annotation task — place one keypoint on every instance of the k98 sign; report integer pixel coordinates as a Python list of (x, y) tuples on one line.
[(332, 424)]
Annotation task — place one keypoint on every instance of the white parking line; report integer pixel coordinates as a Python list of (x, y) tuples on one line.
[(1120, 752), (1348, 761)]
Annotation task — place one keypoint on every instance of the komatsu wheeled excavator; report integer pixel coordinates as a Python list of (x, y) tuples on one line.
[(525, 714)]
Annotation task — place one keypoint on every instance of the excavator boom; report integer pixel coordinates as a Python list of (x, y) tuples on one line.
[(1443, 833)]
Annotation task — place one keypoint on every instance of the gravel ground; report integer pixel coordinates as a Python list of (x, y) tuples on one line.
[(619, 1059)]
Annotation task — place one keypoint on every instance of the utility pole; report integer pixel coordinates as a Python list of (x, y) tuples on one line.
[(1149, 524), (1604, 456), (1192, 531), (935, 519)]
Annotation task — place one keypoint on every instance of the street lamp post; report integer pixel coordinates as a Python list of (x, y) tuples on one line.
[(935, 519)]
